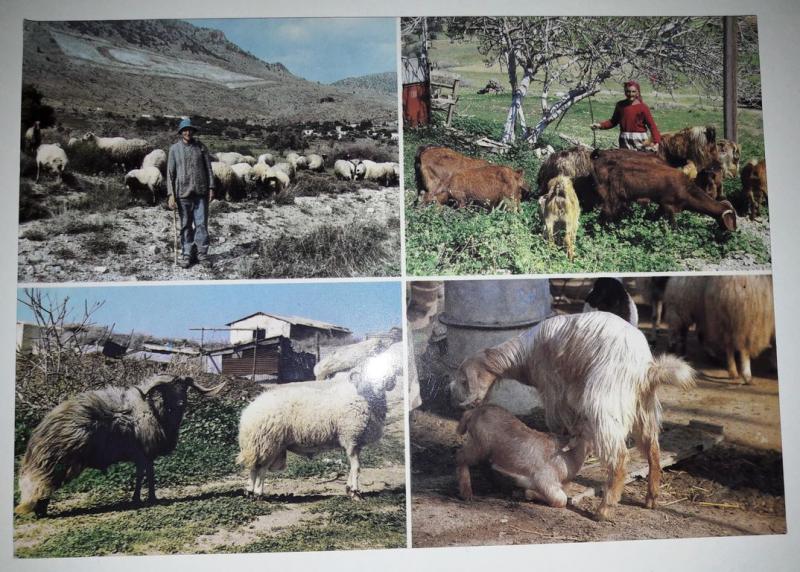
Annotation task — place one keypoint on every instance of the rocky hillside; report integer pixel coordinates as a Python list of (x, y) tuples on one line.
[(171, 67), (384, 83)]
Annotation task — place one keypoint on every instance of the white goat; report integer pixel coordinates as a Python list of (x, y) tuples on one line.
[(597, 380)]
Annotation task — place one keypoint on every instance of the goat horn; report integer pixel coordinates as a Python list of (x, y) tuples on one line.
[(153, 382), (210, 391)]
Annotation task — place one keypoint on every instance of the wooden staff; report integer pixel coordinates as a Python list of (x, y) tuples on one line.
[(175, 234)]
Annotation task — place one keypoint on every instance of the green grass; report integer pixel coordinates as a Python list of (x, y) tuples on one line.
[(447, 241)]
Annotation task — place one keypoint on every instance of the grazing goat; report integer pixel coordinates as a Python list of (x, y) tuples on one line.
[(696, 144), (489, 186), (683, 299), (96, 429), (754, 185), (561, 206), (609, 295), (690, 170), (710, 181), (729, 154), (623, 177), (575, 163), (348, 411), (738, 317), (535, 461), (597, 380), (435, 165)]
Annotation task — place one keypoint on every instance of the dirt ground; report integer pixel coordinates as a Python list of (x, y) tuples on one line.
[(236, 229), (734, 488)]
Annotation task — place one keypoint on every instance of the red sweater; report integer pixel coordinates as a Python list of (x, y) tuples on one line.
[(633, 118)]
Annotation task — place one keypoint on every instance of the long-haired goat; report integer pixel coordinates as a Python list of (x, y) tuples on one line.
[(348, 411), (738, 317), (729, 155), (623, 177), (597, 380), (754, 185), (536, 461), (610, 295), (560, 206), (697, 144), (96, 429), (575, 163)]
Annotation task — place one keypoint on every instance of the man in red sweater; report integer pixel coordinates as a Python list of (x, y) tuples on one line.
[(633, 118)]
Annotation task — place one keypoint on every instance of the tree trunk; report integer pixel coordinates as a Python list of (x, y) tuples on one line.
[(515, 113), (558, 109)]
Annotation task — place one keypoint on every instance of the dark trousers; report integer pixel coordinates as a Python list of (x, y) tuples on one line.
[(193, 211)]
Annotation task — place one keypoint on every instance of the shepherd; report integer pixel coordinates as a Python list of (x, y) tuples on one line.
[(634, 119), (190, 189)]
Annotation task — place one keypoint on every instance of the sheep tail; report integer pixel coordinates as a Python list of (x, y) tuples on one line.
[(462, 425), (668, 369)]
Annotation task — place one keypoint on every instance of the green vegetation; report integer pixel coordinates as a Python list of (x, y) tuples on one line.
[(447, 241)]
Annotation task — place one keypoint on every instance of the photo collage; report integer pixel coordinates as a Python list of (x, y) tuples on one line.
[(360, 283)]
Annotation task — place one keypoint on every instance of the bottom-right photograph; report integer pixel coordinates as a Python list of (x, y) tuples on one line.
[(591, 409)]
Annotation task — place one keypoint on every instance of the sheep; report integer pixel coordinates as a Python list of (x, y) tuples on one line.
[(72, 141), (266, 158), (597, 380), (33, 137), (156, 158), (52, 157), (754, 185), (297, 161), (99, 428), (683, 299), (348, 411), (229, 158), (315, 162), (537, 462), (226, 183), (560, 205), (128, 152), (609, 295), (149, 178), (347, 357), (383, 173), (738, 317), (249, 159), (344, 169), (269, 179), (286, 168)]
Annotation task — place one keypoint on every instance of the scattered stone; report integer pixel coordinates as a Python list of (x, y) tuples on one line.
[(100, 269)]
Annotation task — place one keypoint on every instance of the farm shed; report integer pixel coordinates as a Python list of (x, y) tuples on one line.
[(262, 326), (266, 358)]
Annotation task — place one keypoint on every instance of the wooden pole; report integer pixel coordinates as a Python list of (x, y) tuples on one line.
[(729, 29), (255, 354)]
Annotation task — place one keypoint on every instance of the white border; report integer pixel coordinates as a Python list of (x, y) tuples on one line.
[(778, 24)]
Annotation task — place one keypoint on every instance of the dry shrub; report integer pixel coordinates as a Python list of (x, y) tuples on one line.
[(364, 151)]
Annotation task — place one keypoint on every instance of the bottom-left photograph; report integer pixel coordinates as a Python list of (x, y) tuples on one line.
[(222, 418)]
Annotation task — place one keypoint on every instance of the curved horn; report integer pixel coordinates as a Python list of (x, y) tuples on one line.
[(153, 382), (209, 391)]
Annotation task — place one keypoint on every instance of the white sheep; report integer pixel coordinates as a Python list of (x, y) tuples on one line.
[(286, 168), (267, 158), (683, 306), (310, 417), (52, 157), (249, 159), (315, 162), (156, 158), (149, 178), (226, 182), (229, 158), (128, 152), (72, 141), (297, 161), (386, 174), (244, 173), (344, 169), (267, 178), (347, 357)]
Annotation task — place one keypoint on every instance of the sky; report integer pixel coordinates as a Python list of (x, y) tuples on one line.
[(317, 49), (170, 310)]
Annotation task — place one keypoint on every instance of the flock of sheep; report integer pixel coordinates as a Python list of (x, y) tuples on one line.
[(96, 429), (684, 172), (236, 175)]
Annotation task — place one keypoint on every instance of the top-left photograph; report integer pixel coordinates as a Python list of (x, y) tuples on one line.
[(209, 149)]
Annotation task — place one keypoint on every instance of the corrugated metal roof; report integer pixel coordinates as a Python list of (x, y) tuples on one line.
[(295, 320)]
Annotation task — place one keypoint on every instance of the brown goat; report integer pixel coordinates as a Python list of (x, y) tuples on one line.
[(489, 185), (710, 181), (754, 185), (697, 144), (626, 177), (535, 461), (575, 163), (435, 165)]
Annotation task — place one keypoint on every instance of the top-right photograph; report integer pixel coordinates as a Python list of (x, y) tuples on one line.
[(543, 145)]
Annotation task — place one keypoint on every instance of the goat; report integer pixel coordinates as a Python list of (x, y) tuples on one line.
[(754, 185), (576, 164), (560, 205), (536, 461), (96, 429), (609, 295), (489, 185), (696, 144), (597, 380), (435, 165)]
